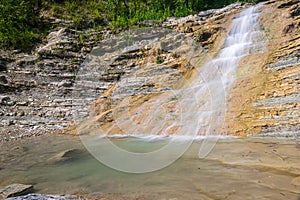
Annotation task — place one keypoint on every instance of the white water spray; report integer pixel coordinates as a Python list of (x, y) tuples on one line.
[(219, 74)]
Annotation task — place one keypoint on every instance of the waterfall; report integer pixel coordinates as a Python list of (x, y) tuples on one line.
[(196, 110), (199, 108), (219, 73), (239, 42), (203, 103)]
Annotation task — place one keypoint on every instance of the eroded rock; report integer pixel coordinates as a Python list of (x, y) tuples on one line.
[(66, 155), (15, 190), (46, 197)]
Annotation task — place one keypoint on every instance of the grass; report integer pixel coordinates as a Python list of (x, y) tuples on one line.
[(22, 27)]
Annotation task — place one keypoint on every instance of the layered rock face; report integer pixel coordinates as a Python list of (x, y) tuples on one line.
[(36, 89), (145, 100), (46, 90), (265, 97)]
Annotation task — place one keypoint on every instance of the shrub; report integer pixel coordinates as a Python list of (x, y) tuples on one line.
[(17, 19)]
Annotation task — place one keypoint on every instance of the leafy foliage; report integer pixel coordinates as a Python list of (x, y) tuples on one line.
[(17, 20), (21, 26)]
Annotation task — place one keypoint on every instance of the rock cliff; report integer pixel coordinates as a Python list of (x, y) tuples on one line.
[(42, 92)]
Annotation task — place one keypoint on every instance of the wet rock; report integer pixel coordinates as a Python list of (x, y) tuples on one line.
[(46, 197), (66, 155), (52, 76), (15, 190)]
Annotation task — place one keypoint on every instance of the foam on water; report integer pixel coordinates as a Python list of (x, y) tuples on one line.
[(178, 138)]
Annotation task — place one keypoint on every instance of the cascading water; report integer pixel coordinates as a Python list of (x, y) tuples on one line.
[(195, 110), (200, 107), (219, 74), (241, 39)]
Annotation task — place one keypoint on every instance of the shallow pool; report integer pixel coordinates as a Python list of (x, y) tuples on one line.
[(253, 168)]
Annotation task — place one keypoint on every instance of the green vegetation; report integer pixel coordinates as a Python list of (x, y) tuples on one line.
[(21, 25), (17, 23)]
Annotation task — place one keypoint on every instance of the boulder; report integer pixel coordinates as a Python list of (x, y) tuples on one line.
[(66, 155), (45, 197), (15, 190)]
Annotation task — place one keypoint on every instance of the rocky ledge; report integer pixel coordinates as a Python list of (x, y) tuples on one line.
[(36, 88)]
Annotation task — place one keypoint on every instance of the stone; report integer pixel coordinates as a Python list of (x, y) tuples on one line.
[(23, 103), (15, 190), (7, 122), (150, 22), (45, 197), (3, 79), (289, 28), (65, 83), (21, 113), (55, 34), (66, 155), (4, 100), (23, 122), (10, 103)]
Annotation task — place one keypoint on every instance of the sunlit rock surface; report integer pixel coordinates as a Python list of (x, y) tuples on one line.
[(41, 91), (265, 98)]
